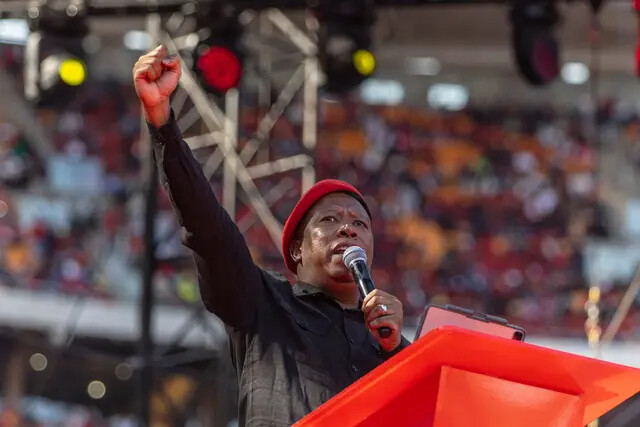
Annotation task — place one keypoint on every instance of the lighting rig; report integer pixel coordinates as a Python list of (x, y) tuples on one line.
[(536, 50), (345, 42), (55, 59)]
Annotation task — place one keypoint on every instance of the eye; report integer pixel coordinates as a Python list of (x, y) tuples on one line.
[(329, 218), (360, 223)]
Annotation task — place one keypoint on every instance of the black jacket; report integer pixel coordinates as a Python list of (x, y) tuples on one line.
[(293, 347)]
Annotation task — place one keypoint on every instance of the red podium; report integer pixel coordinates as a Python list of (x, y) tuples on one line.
[(457, 378)]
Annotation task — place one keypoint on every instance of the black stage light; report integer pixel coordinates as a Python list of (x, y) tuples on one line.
[(55, 59), (345, 41), (533, 35), (218, 57)]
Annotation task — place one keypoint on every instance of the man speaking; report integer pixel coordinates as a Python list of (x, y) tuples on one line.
[(293, 346)]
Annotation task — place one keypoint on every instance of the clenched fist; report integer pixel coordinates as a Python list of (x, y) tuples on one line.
[(155, 77)]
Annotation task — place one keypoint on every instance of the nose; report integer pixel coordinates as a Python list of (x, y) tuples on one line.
[(347, 230)]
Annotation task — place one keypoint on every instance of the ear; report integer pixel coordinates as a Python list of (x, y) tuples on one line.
[(295, 251)]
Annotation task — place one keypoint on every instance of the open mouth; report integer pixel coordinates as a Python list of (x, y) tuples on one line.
[(340, 248)]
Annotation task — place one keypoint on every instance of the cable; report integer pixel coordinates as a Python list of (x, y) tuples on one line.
[(622, 310)]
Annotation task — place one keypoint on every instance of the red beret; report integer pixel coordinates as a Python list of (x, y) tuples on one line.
[(308, 199)]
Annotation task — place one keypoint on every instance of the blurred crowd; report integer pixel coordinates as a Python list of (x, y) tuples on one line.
[(39, 412), (73, 222), (487, 208), (65, 223)]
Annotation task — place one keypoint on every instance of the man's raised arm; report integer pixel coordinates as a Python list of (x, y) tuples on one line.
[(230, 283)]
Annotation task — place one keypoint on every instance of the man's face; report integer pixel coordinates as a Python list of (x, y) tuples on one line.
[(335, 222)]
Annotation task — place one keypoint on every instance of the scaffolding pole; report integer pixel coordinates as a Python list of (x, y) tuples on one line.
[(150, 176)]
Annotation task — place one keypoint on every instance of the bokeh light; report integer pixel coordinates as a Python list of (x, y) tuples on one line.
[(73, 71), (4, 208), (123, 371), (38, 362), (96, 390)]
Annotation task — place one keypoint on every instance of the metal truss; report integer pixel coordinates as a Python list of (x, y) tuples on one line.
[(219, 130), (141, 7)]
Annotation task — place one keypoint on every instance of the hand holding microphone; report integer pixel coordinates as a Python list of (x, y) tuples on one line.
[(383, 312)]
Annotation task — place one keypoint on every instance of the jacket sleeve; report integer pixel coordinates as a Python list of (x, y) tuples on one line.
[(229, 281)]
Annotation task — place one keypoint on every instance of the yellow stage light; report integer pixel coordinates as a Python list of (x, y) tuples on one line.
[(364, 61), (73, 71)]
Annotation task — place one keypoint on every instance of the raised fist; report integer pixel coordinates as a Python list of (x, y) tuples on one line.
[(156, 76)]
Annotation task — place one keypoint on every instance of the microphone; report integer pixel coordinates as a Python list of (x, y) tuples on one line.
[(355, 259)]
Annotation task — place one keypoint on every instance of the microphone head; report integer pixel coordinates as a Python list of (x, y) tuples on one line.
[(353, 253)]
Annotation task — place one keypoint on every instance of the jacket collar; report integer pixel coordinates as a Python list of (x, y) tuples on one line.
[(303, 290)]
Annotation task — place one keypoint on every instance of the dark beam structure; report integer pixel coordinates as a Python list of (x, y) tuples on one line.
[(133, 8)]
